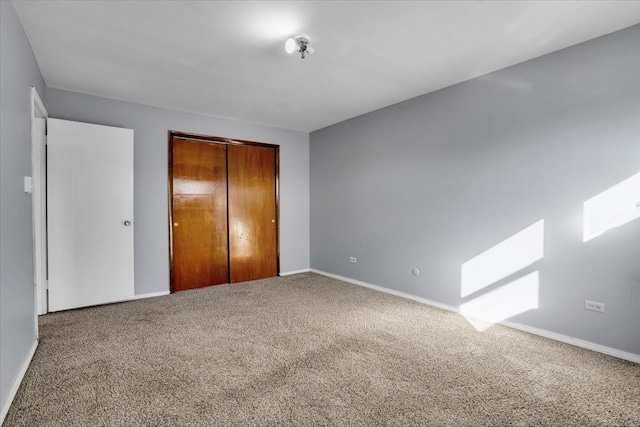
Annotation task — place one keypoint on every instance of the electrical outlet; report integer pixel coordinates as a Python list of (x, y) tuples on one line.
[(353, 259), (594, 306)]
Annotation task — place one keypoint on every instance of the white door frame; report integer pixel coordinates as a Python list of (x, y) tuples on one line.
[(38, 196)]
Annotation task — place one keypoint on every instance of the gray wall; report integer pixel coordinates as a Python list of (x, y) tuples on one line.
[(18, 72), (150, 127), (435, 181)]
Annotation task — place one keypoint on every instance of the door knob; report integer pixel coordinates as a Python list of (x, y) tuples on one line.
[(127, 223)]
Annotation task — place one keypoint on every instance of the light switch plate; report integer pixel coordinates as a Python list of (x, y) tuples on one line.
[(28, 184)]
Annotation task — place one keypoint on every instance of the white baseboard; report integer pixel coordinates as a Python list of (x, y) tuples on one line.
[(389, 291), (289, 273), (16, 385), (632, 357), (151, 295)]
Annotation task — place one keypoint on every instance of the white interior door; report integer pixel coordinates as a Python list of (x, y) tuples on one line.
[(90, 214)]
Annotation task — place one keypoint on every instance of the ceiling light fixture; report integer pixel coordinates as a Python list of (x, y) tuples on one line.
[(300, 43)]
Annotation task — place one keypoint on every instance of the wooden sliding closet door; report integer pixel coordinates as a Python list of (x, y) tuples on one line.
[(252, 213), (199, 214)]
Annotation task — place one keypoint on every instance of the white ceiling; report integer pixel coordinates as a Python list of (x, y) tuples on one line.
[(227, 59)]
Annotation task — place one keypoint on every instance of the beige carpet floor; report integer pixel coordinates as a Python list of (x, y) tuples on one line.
[(306, 350)]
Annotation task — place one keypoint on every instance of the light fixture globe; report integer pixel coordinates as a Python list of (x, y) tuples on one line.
[(290, 46), (300, 43)]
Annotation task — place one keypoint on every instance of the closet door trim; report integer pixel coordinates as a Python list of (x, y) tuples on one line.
[(218, 140)]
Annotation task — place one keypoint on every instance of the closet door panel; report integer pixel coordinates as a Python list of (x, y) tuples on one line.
[(252, 213), (199, 214)]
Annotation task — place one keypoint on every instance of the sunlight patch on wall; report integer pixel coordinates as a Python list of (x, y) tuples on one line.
[(514, 298), (505, 258), (612, 208)]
